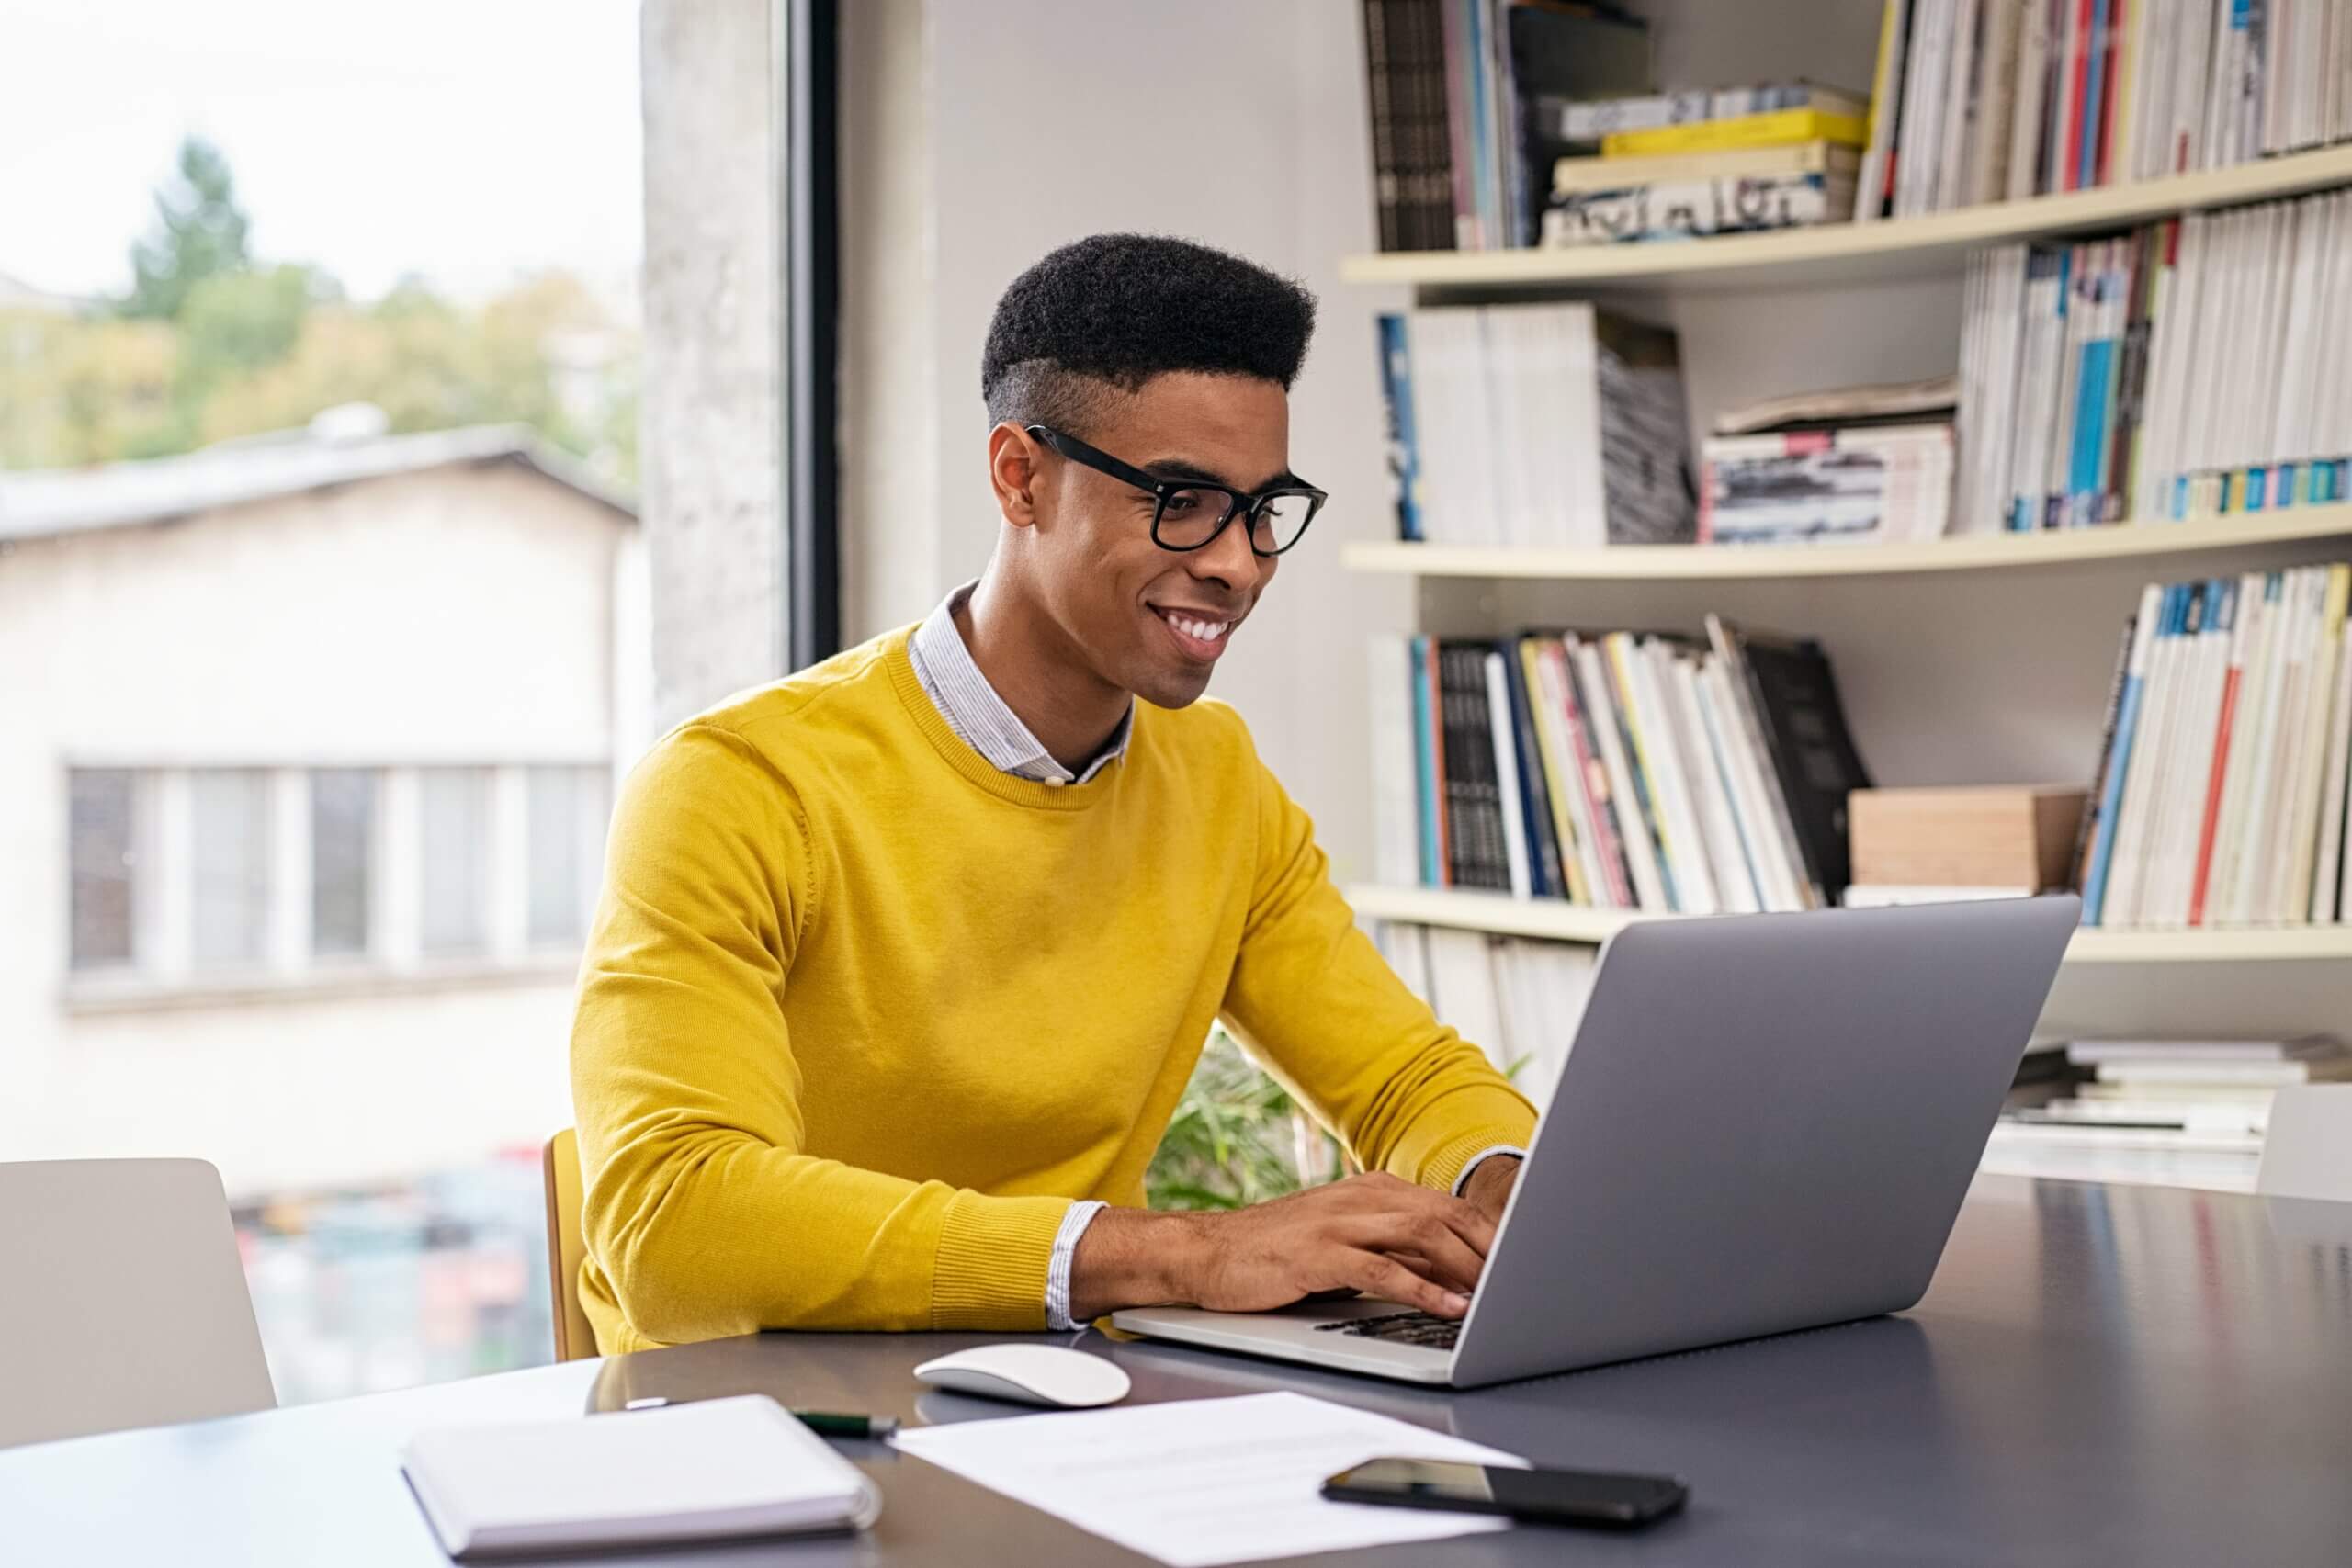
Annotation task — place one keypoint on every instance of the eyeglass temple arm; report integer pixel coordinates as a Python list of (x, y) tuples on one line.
[(1070, 446)]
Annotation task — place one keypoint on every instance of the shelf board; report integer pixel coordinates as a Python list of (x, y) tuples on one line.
[(1835, 253), (1550, 918), (1976, 552)]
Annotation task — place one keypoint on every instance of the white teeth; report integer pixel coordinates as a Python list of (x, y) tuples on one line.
[(1207, 631)]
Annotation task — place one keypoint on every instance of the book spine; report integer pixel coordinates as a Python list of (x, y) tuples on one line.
[(2243, 597), (1635, 822), (1609, 846), (1571, 833), (1783, 767), (1428, 783), (1441, 807), (1380, 100), (1886, 85), (2110, 801), (2087, 825), (1404, 444), (1677, 209), (1547, 875), (2327, 876), (1511, 797)]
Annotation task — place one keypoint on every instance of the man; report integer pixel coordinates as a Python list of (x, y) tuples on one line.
[(903, 961)]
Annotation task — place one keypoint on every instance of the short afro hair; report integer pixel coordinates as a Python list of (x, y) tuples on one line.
[(1113, 311)]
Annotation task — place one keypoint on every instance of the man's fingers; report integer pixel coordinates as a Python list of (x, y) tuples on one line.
[(1383, 1276), (1430, 1271), (1462, 1217), (1422, 1235)]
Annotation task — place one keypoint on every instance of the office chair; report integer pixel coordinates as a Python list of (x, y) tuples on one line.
[(126, 1304), (2307, 1152), (575, 1340)]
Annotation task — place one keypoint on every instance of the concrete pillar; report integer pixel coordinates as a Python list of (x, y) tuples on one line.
[(711, 464)]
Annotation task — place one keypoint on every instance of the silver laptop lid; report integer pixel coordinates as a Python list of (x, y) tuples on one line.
[(1767, 1123)]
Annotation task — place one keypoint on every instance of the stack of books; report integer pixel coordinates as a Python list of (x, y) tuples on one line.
[(1535, 424), (1866, 486), (1463, 96), (1619, 771), (2179, 1086), (2178, 371), (1518, 1001), (2179, 1112), (1680, 165), (1991, 101), (1854, 465), (2220, 799)]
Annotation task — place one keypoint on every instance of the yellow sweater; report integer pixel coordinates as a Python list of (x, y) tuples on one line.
[(861, 1016)]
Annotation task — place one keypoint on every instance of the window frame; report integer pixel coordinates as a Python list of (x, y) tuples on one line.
[(162, 972)]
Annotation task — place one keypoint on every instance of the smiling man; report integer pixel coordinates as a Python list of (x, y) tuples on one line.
[(903, 961)]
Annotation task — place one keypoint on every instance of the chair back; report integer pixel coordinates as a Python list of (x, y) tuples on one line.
[(575, 1339), (2307, 1152), (125, 1304)]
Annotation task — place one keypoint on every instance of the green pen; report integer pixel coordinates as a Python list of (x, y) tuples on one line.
[(830, 1424)]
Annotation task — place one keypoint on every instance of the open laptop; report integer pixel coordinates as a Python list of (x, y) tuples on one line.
[(1767, 1123)]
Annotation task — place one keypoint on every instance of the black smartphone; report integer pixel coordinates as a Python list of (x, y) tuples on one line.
[(1550, 1496)]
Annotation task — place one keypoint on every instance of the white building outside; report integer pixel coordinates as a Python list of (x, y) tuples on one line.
[(307, 745)]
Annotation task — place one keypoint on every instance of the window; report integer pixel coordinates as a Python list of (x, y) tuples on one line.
[(343, 860), (229, 858), (101, 836), (566, 813), (453, 835)]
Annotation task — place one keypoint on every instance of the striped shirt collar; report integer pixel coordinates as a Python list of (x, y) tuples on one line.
[(980, 718)]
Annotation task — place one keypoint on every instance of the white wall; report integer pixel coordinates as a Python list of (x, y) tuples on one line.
[(979, 137), (465, 615)]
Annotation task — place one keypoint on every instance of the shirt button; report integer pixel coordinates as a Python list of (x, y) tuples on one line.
[(1055, 784)]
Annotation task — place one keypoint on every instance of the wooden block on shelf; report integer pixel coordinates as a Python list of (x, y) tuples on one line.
[(1990, 836)]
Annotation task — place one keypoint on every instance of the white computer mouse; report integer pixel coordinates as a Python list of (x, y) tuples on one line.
[(1030, 1374)]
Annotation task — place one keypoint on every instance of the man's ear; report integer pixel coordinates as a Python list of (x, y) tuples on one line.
[(1014, 473)]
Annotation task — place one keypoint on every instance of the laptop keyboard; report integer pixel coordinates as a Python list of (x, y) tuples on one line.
[(1421, 1328)]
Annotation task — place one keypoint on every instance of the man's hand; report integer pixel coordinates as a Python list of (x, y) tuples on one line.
[(1375, 1233)]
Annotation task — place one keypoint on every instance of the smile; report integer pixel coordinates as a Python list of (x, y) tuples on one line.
[(1200, 635)]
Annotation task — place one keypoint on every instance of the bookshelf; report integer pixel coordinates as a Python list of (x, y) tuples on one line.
[(1886, 251), (1553, 920), (1972, 659), (1984, 552)]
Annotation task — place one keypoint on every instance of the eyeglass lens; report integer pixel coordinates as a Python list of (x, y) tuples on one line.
[(1189, 518)]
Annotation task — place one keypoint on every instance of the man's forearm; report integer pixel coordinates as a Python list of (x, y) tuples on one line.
[(1132, 1257)]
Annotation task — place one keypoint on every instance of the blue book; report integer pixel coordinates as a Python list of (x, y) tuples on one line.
[(2126, 724), (2100, 42), (1426, 792), (2094, 397), (1404, 443)]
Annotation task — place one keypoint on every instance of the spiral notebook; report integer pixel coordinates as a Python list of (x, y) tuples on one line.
[(706, 1471)]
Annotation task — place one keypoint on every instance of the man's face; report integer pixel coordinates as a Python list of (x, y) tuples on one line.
[(1150, 621)]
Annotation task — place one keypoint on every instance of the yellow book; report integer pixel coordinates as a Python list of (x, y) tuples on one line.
[(1882, 73), (1771, 130)]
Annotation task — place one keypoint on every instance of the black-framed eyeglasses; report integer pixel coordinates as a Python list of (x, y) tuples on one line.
[(1190, 514)]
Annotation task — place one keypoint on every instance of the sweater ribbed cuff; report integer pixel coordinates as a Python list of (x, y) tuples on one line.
[(1445, 1164), (994, 1255)]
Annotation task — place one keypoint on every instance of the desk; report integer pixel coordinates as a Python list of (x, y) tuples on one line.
[(2100, 1375)]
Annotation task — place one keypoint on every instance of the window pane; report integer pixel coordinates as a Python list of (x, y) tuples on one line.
[(454, 828), (228, 865), (558, 803), (343, 858), (101, 808)]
